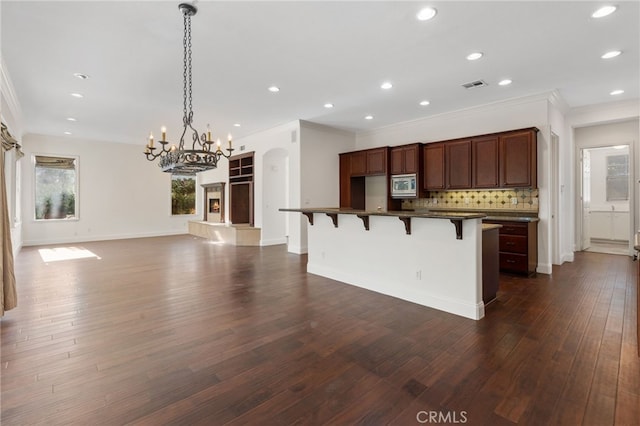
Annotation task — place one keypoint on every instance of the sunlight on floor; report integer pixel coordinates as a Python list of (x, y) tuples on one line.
[(65, 253)]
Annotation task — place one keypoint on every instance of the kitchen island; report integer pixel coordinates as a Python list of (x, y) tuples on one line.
[(430, 258)]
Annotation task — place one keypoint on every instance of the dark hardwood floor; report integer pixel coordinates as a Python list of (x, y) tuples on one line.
[(176, 330)]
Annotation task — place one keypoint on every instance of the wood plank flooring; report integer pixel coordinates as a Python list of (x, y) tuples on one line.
[(177, 330)]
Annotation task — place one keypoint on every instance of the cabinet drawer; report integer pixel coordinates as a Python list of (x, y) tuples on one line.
[(513, 262), (514, 228), (513, 243)]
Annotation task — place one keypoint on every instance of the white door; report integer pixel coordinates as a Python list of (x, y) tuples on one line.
[(586, 199)]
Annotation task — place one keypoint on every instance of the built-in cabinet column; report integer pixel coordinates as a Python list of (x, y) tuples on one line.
[(241, 189)]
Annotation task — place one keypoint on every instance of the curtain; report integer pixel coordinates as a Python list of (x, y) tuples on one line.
[(8, 296)]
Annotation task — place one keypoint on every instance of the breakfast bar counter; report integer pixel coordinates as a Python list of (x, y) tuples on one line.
[(430, 258)]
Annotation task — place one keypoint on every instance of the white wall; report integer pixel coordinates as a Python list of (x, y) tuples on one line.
[(121, 194), (11, 115), (320, 168), (519, 113)]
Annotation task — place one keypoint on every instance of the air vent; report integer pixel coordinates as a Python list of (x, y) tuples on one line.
[(477, 83)]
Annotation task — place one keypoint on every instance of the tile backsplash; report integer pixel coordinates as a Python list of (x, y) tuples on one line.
[(495, 199)]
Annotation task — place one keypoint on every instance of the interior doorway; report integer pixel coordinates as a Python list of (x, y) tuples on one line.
[(606, 199)]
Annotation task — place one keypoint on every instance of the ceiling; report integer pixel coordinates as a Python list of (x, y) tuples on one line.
[(315, 52)]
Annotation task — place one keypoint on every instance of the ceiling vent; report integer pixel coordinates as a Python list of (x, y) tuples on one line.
[(477, 83)]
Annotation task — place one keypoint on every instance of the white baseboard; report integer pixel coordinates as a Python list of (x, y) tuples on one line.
[(82, 239), (273, 241), (544, 268)]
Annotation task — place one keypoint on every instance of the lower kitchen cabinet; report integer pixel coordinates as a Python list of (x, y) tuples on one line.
[(518, 246)]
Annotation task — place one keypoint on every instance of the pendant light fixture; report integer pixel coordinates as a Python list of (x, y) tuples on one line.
[(201, 153)]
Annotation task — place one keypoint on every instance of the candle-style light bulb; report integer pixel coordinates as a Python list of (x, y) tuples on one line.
[(229, 138), (150, 140), (218, 144), (164, 133), (208, 133)]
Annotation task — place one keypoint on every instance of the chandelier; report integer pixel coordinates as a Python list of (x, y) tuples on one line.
[(202, 155)]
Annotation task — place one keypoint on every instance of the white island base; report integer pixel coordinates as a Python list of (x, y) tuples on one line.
[(430, 266)]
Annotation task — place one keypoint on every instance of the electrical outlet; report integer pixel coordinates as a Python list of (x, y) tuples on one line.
[(514, 200), (466, 201), (419, 274), (434, 201)]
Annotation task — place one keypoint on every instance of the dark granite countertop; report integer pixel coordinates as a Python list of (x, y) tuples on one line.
[(398, 213)]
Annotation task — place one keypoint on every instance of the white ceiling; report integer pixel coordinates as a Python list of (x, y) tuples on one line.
[(316, 52)]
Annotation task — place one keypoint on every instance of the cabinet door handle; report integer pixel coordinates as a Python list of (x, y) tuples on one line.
[(511, 261)]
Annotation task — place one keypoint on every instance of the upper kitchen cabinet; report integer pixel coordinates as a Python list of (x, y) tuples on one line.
[(484, 162), (433, 155), (405, 159), (369, 162), (458, 164), (518, 159)]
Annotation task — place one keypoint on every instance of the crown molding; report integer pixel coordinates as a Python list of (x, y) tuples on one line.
[(8, 93)]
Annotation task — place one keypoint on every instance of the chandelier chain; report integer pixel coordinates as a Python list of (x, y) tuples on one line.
[(201, 155), (184, 68), (189, 63)]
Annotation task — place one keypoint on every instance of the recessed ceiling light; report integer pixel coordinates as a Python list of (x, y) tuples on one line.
[(505, 82), (77, 95), (611, 54), (386, 85), (274, 89), (424, 103), (67, 133), (236, 125), (71, 119), (81, 76), (617, 92), (473, 56), (328, 105), (426, 14), (369, 117), (603, 11)]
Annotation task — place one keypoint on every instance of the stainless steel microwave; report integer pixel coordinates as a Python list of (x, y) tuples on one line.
[(404, 186)]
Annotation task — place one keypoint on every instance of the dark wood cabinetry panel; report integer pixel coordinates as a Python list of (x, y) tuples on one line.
[(358, 163), (397, 161), (377, 161), (518, 246), (484, 163), (405, 159), (518, 155), (434, 166), (345, 178), (458, 164), (241, 188)]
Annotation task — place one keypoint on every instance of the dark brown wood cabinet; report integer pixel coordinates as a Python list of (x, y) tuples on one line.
[(241, 188), (518, 159), (405, 159), (370, 162), (485, 162), (354, 167), (433, 155), (518, 246), (458, 164)]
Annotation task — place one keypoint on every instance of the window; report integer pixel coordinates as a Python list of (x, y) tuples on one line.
[(56, 187), (183, 195), (618, 177)]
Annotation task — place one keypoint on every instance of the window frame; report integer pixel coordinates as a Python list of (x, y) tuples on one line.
[(195, 196), (612, 179), (76, 159)]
